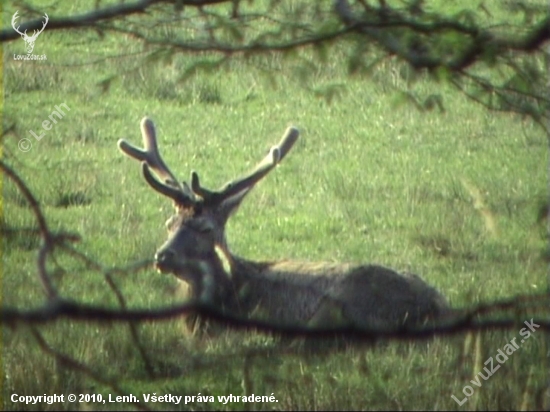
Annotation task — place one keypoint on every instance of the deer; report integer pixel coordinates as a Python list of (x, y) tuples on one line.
[(286, 292)]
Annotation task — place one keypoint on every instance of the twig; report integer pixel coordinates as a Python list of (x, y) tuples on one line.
[(62, 308), (132, 325), (80, 367), (47, 237)]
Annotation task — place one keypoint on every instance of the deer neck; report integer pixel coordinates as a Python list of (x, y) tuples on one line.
[(234, 276)]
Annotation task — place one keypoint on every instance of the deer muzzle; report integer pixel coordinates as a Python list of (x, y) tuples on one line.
[(165, 260)]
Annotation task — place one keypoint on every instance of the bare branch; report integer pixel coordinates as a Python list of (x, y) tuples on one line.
[(133, 327), (480, 41), (48, 239), (80, 367), (459, 322), (44, 231), (107, 13)]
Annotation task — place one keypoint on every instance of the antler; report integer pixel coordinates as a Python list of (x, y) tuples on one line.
[(13, 19), (34, 35), (275, 155), (152, 160), (43, 26), (181, 193)]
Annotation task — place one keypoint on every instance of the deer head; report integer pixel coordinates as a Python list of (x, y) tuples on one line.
[(196, 248), (29, 40)]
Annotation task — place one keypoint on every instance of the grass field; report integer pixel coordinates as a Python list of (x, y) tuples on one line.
[(452, 195)]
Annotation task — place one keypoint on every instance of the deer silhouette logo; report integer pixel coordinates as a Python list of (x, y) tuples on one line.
[(29, 40)]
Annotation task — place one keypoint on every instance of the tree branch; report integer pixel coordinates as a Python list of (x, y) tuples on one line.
[(93, 17), (459, 322)]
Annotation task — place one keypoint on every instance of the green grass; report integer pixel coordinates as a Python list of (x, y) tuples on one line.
[(371, 180)]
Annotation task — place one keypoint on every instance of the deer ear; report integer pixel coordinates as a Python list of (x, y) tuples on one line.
[(232, 203)]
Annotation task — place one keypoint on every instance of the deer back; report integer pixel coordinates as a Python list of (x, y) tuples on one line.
[(312, 294)]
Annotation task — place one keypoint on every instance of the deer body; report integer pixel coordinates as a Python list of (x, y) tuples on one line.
[(322, 294), (285, 292)]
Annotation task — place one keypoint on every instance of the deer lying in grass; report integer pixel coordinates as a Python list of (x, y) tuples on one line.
[(285, 292)]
